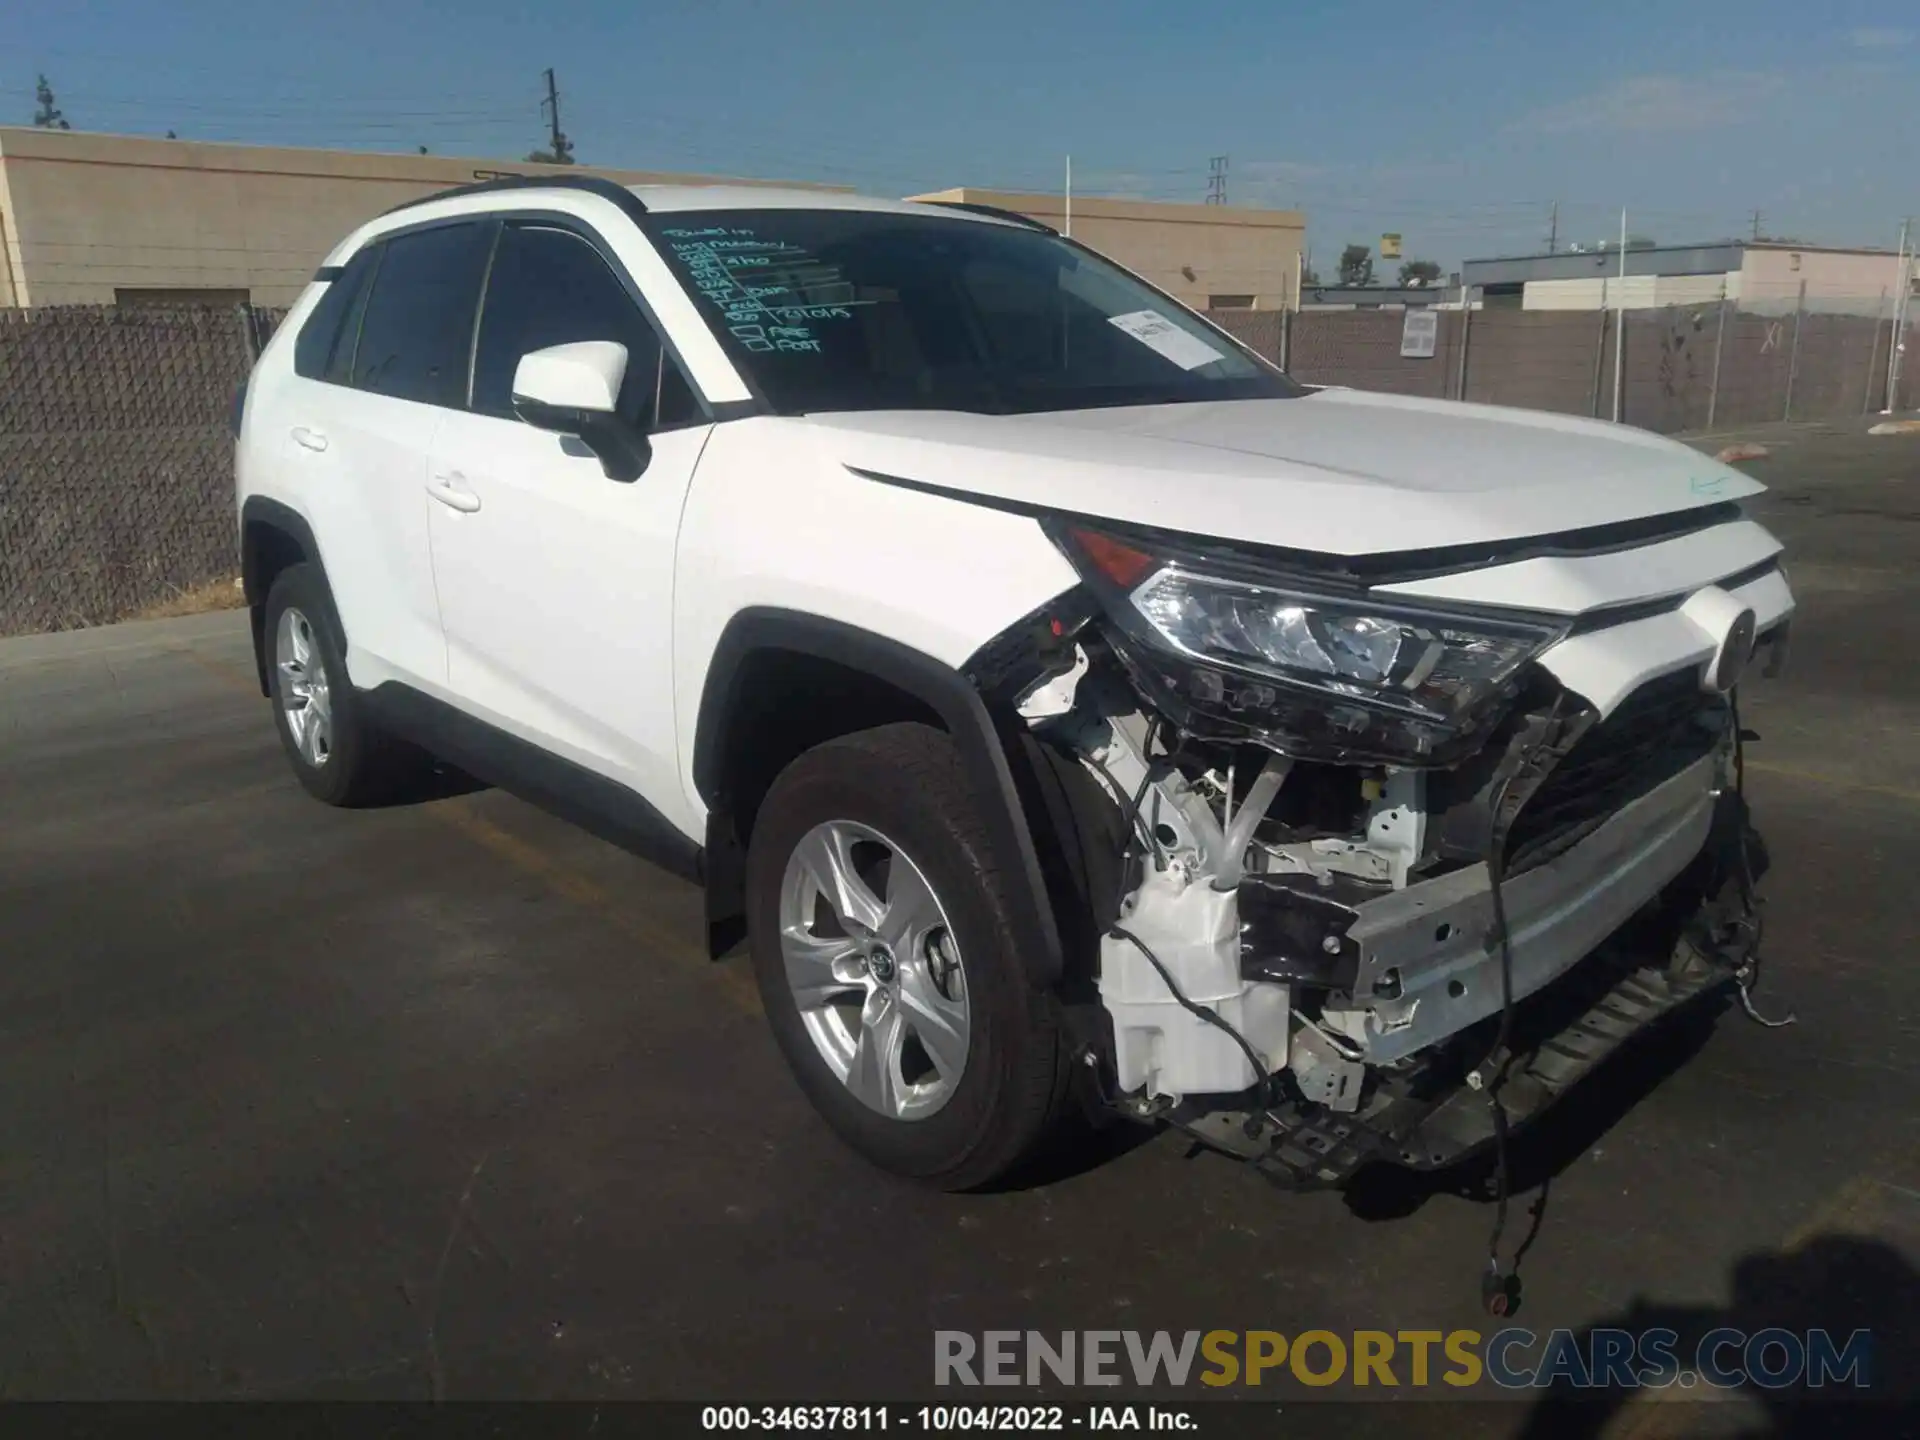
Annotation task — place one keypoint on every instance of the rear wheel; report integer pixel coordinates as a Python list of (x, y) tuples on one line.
[(337, 754), (881, 941)]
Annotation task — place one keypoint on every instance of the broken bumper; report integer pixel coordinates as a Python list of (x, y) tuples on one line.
[(1428, 965), (1426, 1118)]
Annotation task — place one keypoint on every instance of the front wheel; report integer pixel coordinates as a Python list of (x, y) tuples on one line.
[(881, 941)]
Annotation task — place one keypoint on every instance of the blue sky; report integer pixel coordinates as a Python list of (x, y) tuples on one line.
[(1455, 125)]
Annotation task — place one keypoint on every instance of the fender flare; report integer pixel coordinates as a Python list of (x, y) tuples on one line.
[(987, 754), (275, 515)]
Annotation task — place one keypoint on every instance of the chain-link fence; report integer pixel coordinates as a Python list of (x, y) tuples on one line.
[(1686, 367), (116, 458)]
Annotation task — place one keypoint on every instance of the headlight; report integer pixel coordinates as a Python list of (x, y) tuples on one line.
[(1341, 676)]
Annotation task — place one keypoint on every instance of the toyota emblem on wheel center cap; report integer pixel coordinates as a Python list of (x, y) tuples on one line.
[(880, 964)]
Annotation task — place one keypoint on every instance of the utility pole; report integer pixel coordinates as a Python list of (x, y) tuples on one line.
[(1217, 180), (1069, 197), (1553, 229), (559, 148), (1756, 225)]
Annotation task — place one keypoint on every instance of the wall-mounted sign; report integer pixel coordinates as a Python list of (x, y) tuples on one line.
[(1419, 332)]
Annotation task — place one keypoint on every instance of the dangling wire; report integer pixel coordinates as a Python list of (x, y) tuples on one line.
[(1499, 1287), (1747, 976)]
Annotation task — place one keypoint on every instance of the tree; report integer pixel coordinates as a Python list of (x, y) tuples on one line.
[(1641, 242), (1420, 272), (559, 153), (48, 116), (1356, 265)]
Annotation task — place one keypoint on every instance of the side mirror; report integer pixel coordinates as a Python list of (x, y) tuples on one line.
[(572, 390)]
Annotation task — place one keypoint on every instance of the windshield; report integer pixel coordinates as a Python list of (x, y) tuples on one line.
[(873, 310)]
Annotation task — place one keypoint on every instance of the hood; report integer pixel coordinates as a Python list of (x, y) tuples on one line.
[(1338, 472)]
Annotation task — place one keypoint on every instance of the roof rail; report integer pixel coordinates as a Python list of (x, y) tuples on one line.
[(994, 212), (593, 184)]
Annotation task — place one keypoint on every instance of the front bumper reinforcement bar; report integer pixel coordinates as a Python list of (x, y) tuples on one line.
[(1428, 1118)]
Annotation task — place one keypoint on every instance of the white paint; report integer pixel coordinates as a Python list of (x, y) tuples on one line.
[(1340, 472), (1606, 666), (584, 375), (582, 614), (1576, 584)]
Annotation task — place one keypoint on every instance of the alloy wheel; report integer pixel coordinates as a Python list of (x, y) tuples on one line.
[(304, 696), (874, 968)]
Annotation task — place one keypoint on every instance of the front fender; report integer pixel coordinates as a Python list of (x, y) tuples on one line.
[(991, 760)]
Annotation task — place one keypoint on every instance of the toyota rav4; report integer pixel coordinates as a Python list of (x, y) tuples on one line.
[(1064, 704)]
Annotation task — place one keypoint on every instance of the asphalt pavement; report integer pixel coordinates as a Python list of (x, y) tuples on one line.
[(443, 1101)]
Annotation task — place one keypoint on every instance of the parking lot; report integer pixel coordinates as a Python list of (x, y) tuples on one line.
[(443, 1101)]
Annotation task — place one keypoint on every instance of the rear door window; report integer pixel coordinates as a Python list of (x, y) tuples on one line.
[(416, 338)]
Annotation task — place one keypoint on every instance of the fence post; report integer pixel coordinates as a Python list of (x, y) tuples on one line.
[(1466, 333), (1286, 341), (1873, 355), (1620, 365), (1793, 356), (1719, 345), (1599, 362), (250, 332)]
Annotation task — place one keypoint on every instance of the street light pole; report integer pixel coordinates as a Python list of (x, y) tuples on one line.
[(1900, 298)]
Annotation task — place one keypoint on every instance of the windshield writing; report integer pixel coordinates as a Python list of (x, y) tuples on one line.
[(862, 310)]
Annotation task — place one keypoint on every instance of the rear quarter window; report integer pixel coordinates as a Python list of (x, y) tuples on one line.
[(326, 329)]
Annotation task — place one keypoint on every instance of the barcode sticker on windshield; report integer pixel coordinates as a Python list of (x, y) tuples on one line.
[(1157, 332)]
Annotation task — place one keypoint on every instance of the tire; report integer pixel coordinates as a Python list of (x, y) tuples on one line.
[(345, 761), (904, 787)]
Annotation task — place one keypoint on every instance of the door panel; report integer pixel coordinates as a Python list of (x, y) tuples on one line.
[(386, 356), (556, 593), (360, 466), (556, 583)]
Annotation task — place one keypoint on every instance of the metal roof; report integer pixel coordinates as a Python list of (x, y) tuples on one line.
[(1717, 258)]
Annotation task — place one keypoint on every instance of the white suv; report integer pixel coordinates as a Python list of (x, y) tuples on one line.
[(1058, 697)]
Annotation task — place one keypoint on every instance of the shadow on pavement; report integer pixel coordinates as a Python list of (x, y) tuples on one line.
[(1838, 1283)]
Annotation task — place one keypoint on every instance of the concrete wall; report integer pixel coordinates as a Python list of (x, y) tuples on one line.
[(1193, 252), (1837, 281), (82, 215), (1633, 292)]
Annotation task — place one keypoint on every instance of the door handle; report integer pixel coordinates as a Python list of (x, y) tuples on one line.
[(309, 439), (450, 491)]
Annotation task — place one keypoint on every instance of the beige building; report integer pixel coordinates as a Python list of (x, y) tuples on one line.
[(1213, 257), (97, 219), (90, 219), (1763, 276)]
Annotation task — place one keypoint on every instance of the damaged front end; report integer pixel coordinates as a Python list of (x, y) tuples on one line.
[(1373, 853)]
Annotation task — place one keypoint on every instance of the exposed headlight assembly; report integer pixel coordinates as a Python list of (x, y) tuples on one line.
[(1321, 675)]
